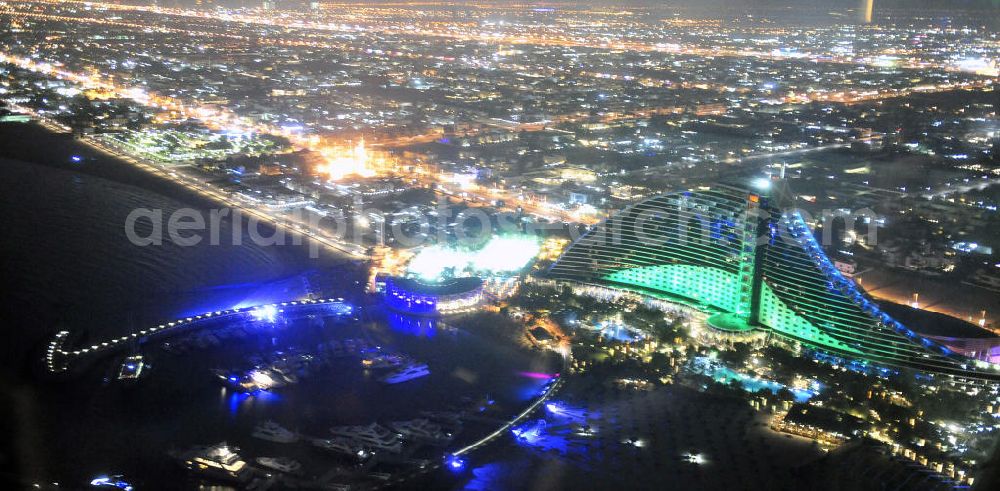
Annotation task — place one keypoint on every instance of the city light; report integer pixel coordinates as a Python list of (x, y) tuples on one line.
[(455, 463), (501, 255), (789, 303), (265, 313), (633, 255), (340, 162), (263, 380), (697, 459)]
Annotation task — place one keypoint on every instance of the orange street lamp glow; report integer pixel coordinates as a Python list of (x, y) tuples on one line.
[(342, 162)]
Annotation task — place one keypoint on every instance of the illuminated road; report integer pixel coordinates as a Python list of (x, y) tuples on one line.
[(176, 175), (844, 97), (346, 21), (977, 185), (276, 219), (758, 156), (220, 119), (313, 30), (793, 153)]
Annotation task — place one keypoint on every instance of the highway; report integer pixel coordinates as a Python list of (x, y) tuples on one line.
[(978, 185), (747, 158), (791, 153)]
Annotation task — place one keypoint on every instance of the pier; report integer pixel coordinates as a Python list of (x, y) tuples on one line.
[(58, 357)]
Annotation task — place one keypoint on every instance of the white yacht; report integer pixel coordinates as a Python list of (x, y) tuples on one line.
[(219, 461), (281, 464), (421, 429), (373, 435), (271, 431), (408, 372), (345, 447)]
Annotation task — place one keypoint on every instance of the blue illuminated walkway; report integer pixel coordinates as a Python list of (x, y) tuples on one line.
[(58, 358)]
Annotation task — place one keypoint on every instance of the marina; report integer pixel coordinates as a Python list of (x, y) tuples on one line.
[(309, 397)]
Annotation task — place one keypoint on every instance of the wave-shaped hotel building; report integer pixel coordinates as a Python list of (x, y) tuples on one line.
[(733, 251)]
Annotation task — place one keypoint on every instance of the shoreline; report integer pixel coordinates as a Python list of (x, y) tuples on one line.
[(81, 207), (181, 180), (215, 195)]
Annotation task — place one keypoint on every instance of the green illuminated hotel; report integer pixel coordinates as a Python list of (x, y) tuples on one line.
[(731, 251)]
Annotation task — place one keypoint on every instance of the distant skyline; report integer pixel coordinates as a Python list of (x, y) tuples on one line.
[(832, 4)]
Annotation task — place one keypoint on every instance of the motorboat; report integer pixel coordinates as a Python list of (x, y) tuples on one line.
[(273, 432), (219, 461), (374, 435), (421, 429), (408, 372)]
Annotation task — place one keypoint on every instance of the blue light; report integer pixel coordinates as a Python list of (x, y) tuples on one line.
[(111, 482), (265, 313), (529, 433), (76, 159), (455, 463), (851, 289), (412, 325)]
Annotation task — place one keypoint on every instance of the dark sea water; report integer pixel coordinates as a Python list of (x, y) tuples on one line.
[(67, 264)]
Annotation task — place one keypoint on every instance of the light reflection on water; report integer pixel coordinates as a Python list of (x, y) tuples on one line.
[(412, 325)]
